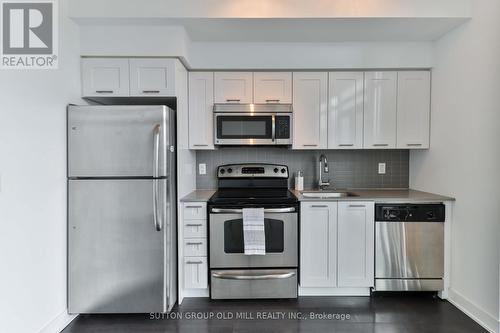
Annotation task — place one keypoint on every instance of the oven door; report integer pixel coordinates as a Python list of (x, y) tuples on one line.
[(227, 246), (252, 129)]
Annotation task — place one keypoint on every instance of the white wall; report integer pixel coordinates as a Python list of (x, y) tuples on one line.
[(33, 188), (464, 159)]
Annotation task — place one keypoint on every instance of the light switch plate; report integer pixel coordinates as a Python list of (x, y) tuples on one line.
[(381, 168), (202, 168)]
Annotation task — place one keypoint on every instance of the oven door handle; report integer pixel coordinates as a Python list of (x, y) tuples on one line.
[(231, 276), (240, 211)]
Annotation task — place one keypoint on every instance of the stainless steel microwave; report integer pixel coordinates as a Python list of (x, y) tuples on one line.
[(253, 124)]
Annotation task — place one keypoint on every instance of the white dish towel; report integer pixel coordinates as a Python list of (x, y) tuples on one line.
[(254, 235)]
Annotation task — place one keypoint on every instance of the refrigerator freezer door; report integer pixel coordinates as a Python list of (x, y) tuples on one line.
[(119, 262), (118, 141)]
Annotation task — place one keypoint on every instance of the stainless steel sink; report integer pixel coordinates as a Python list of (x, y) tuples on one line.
[(327, 194)]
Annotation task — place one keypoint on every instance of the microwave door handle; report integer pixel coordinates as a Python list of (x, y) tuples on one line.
[(156, 166), (273, 127)]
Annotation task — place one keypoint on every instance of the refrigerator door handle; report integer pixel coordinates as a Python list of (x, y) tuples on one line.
[(156, 166)]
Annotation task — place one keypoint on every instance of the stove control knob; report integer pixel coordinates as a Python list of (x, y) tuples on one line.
[(222, 171), (283, 170), (275, 170), (229, 170)]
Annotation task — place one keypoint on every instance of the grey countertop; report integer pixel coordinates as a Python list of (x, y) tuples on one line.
[(377, 195)]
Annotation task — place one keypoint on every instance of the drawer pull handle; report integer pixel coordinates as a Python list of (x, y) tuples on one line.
[(357, 206), (104, 91), (194, 262), (198, 206), (150, 91), (272, 100), (346, 144), (199, 145), (194, 243), (319, 206), (310, 145), (194, 225), (380, 144), (413, 144), (233, 100)]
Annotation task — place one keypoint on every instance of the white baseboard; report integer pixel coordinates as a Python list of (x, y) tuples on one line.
[(483, 318), (196, 293), (60, 322), (306, 291)]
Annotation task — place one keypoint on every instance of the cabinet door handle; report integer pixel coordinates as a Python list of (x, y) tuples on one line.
[(233, 100), (413, 144), (150, 91), (357, 206), (310, 145), (194, 225), (194, 206), (194, 262), (272, 100), (104, 91), (346, 144), (194, 243), (380, 144), (319, 206), (199, 145)]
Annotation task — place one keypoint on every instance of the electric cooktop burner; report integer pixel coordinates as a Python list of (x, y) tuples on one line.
[(252, 185)]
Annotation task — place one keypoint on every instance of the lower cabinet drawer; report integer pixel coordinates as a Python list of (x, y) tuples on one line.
[(195, 228), (195, 272), (253, 283), (195, 247)]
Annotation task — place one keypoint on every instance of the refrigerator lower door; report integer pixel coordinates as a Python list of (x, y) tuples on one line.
[(119, 141), (120, 258)]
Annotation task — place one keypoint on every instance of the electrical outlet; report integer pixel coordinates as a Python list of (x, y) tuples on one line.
[(202, 168), (381, 168)]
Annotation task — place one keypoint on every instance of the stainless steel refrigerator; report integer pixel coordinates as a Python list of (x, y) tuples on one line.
[(121, 209)]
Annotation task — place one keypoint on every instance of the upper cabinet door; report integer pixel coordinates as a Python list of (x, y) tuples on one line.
[(345, 110), (272, 87), (356, 228), (152, 77), (233, 87), (414, 94), (105, 77), (310, 101), (380, 110), (318, 244), (201, 101)]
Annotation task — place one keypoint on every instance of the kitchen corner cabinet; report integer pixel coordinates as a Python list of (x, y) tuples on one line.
[(105, 77), (345, 110), (413, 123), (233, 87), (201, 101), (337, 244), (310, 128), (272, 87), (380, 110), (152, 77), (355, 244), (318, 244)]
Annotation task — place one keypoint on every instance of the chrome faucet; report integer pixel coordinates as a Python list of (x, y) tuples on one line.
[(323, 168)]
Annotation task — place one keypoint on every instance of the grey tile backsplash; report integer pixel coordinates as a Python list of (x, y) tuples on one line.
[(348, 168)]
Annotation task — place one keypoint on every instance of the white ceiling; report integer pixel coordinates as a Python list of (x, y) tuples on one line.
[(317, 30)]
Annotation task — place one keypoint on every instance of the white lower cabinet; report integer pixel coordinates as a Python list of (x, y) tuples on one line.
[(355, 244), (194, 245), (318, 244), (337, 244)]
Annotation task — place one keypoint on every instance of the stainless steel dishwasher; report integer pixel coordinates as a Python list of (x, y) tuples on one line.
[(409, 247)]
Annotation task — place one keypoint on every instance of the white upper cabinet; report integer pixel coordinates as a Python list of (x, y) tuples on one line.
[(345, 110), (380, 110), (201, 101), (318, 244), (152, 77), (105, 77), (233, 87), (272, 87), (414, 89), (355, 244), (310, 90)]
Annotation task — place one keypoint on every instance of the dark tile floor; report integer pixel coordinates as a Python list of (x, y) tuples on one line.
[(378, 314)]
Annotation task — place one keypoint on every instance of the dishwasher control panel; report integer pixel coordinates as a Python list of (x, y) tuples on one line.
[(410, 212)]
